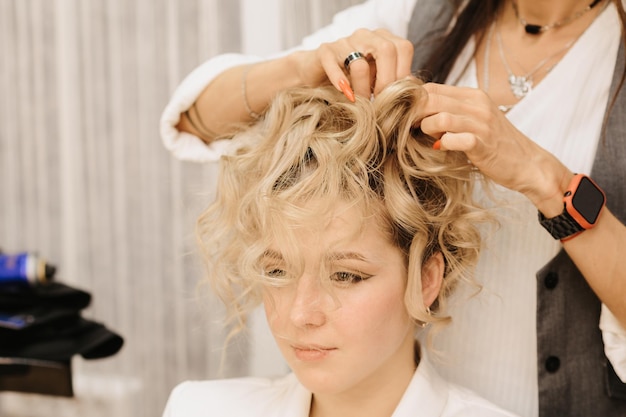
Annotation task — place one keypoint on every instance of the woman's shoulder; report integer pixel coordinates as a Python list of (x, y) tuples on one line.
[(444, 398), (234, 397), (465, 402)]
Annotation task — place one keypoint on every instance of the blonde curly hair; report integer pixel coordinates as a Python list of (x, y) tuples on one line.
[(312, 149)]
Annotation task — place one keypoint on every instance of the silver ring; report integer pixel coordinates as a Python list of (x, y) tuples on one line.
[(352, 56)]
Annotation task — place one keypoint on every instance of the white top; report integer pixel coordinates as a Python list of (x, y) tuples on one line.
[(427, 395), (491, 345)]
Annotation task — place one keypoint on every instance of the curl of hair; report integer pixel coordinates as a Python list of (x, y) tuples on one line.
[(312, 149)]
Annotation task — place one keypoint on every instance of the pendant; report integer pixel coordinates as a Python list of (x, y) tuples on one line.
[(520, 85), (532, 29)]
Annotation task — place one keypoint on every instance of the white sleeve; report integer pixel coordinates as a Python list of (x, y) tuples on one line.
[(184, 145), (614, 337), (393, 15)]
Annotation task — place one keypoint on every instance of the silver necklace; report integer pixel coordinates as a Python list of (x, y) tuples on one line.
[(521, 85), (538, 29), (503, 108)]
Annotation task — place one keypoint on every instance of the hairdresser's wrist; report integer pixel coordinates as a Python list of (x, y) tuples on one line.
[(549, 187), (265, 79), (308, 68)]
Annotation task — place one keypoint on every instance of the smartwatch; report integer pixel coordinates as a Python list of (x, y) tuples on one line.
[(583, 202)]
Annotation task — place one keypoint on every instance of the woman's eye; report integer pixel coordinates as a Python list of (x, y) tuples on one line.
[(348, 277), (276, 277), (275, 272)]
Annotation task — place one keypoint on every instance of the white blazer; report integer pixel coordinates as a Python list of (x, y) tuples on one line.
[(427, 395)]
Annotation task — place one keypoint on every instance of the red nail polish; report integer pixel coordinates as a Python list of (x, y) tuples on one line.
[(346, 90), (437, 145)]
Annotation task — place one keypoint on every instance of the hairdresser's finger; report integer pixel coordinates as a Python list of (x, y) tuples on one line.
[(437, 124), (405, 58), (458, 93), (364, 72), (327, 56), (360, 74), (393, 57), (457, 100), (465, 142), (446, 114), (389, 57), (357, 74)]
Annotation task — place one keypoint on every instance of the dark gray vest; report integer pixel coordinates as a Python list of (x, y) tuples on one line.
[(575, 378)]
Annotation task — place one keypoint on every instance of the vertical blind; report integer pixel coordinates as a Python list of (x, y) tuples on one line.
[(86, 183)]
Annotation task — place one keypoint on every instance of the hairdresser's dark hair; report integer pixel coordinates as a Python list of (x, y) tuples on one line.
[(474, 19)]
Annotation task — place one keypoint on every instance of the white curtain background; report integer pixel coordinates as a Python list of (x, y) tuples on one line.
[(86, 183)]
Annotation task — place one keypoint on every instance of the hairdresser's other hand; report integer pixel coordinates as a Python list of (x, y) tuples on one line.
[(238, 93), (388, 58), (466, 119)]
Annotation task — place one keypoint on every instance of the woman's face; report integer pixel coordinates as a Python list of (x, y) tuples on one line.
[(353, 333)]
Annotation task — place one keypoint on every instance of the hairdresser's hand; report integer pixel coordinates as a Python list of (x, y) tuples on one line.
[(387, 58), (465, 119)]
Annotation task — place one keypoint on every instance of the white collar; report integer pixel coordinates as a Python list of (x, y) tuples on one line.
[(427, 392)]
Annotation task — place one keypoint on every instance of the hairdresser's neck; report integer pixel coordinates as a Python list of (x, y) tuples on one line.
[(545, 12)]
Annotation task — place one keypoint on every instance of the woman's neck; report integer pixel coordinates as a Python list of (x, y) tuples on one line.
[(376, 397)]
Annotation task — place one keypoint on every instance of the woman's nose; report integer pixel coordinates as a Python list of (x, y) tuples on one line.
[(307, 307)]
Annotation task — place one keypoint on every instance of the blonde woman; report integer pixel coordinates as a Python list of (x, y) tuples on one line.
[(351, 231)]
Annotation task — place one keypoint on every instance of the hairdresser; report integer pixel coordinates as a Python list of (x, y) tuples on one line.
[(532, 92)]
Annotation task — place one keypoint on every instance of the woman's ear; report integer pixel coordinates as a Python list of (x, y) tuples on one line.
[(432, 278)]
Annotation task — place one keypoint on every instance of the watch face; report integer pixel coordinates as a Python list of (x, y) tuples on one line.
[(588, 200)]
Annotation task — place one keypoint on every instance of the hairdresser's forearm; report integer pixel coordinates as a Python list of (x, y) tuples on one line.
[(599, 255), (221, 105)]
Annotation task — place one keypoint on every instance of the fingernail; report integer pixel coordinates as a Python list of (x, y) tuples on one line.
[(437, 145), (346, 90)]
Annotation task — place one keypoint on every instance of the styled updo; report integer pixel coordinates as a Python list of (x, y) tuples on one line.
[(314, 148)]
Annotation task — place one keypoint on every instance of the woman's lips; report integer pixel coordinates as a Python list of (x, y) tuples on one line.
[(310, 353)]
